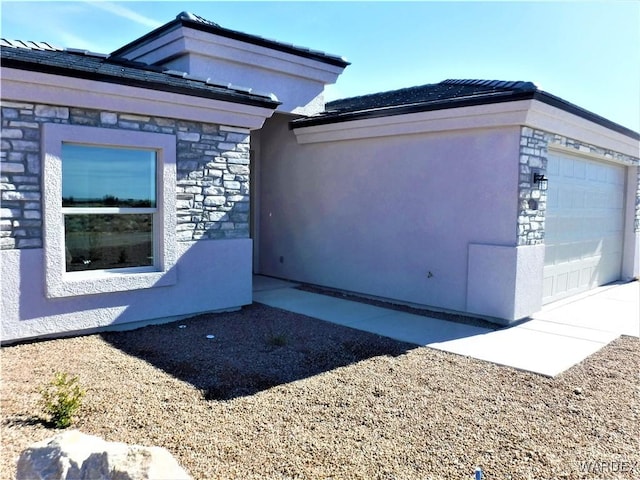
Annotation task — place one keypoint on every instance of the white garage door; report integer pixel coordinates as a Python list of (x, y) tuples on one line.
[(583, 227)]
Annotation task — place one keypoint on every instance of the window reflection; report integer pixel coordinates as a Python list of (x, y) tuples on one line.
[(95, 176), (97, 242)]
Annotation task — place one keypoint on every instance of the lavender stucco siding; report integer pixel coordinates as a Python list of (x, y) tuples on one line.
[(449, 219), (390, 217), (211, 206), (212, 276)]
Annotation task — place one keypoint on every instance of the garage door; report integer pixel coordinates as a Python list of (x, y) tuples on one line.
[(583, 227)]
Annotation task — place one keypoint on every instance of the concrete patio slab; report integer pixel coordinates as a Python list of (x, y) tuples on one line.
[(262, 283), (390, 323), (418, 329), (559, 336), (611, 308), (570, 331), (526, 349), (318, 306)]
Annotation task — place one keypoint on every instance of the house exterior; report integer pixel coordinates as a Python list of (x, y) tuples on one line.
[(152, 183), (428, 197)]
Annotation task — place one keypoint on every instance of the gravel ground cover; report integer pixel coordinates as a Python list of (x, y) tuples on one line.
[(276, 395)]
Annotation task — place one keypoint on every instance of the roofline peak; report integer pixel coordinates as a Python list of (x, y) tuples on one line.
[(192, 17), (196, 22), (510, 85)]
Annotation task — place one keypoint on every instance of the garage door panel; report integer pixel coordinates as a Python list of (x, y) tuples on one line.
[(579, 170), (616, 177), (586, 277), (583, 226), (552, 198), (574, 280)]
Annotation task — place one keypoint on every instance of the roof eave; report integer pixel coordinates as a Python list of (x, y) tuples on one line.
[(465, 102), (569, 107), (235, 97), (234, 35), (410, 108)]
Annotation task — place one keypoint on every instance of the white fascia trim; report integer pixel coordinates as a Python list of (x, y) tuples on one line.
[(494, 115), (235, 51), (22, 85), (555, 120), (184, 41), (169, 45)]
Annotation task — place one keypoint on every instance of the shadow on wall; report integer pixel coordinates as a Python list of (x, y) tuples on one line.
[(229, 355), (252, 349)]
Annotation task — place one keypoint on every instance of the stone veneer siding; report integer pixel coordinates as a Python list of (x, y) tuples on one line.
[(637, 221), (534, 145), (532, 200), (212, 171)]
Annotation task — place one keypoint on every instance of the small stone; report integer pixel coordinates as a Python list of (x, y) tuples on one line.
[(189, 136), (52, 112), (226, 146), (11, 133), (108, 118), (215, 201)]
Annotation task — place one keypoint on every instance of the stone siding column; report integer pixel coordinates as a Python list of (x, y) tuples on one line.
[(213, 182), (533, 200), (637, 220), (20, 173), (212, 169)]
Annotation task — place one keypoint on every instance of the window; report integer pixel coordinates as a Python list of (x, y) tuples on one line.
[(109, 210), (109, 207)]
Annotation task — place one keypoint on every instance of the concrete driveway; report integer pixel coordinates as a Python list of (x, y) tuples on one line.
[(561, 335), (612, 308)]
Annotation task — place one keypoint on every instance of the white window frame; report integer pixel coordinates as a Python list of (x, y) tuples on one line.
[(59, 282)]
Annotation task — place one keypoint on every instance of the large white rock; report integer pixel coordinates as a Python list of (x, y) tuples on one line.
[(73, 455)]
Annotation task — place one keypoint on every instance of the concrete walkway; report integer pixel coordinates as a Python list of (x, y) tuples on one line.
[(558, 337)]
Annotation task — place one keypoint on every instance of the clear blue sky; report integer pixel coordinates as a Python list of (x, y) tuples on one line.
[(587, 53)]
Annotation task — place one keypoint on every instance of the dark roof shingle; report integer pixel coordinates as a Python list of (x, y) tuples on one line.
[(186, 19), (443, 95), (436, 92), (42, 57)]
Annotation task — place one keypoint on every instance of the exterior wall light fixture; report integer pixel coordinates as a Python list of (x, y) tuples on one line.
[(540, 180)]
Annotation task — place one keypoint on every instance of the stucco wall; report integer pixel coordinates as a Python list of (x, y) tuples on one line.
[(212, 275), (390, 217), (209, 227), (418, 209), (297, 82)]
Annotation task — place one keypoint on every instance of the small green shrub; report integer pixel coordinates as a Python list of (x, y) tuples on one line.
[(62, 398)]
